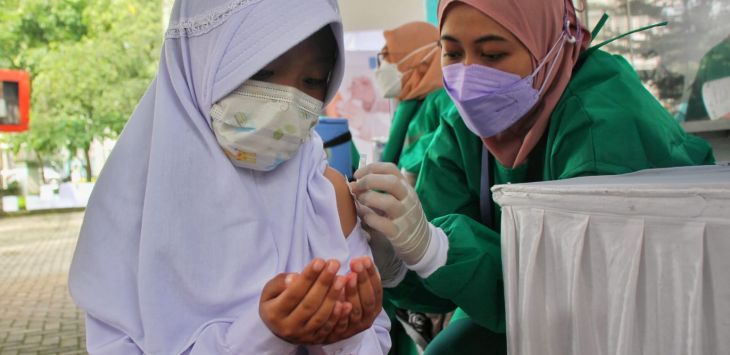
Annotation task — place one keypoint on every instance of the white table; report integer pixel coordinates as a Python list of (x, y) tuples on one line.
[(630, 264)]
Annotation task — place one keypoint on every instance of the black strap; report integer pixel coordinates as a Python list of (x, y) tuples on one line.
[(341, 139), (485, 194)]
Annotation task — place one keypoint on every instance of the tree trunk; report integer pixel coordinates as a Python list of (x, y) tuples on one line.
[(88, 162), (40, 164)]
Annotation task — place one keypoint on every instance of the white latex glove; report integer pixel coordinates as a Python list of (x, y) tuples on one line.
[(390, 206), (391, 268)]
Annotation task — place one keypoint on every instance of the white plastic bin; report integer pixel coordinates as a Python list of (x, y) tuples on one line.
[(630, 264)]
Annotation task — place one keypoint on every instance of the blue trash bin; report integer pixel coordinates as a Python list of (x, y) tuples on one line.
[(335, 133)]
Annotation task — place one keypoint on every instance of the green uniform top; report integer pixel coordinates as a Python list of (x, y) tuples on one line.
[(714, 65), (413, 126), (605, 123), (354, 156)]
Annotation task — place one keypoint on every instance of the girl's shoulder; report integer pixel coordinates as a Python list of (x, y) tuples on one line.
[(345, 202)]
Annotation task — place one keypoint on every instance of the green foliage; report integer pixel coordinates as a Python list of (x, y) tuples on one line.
[(90, 62), (29, 28), (12, 190)]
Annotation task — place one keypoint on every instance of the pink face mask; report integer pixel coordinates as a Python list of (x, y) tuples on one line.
[(489, 100)]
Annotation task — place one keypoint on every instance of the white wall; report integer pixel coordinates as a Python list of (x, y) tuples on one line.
[(361, 15), (364, 15)]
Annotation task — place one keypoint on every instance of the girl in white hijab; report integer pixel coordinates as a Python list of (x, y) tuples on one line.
[(209, 225)]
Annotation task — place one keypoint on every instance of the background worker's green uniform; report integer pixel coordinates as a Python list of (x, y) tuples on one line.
[(605, 123), (414, 123), (715, 64), (354, 156), (412, 129)]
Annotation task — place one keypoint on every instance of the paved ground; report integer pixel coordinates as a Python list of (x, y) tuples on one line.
[(37, 315)]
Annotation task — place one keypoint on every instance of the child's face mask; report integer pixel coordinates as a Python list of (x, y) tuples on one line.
[(261, 125)]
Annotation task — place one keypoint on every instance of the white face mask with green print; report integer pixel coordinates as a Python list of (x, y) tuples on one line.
[(261, 125)]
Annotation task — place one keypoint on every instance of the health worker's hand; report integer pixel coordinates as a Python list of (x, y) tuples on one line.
[(390, 266), (389, 205)]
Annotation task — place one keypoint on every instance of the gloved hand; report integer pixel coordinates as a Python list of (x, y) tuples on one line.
[(391, 267), (389, 205)]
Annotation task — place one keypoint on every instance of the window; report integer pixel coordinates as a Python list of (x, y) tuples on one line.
[(14, 100), (674, 62), (9, 103)]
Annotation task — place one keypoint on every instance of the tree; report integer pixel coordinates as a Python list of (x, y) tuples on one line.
[(90, 62), (30, 28)]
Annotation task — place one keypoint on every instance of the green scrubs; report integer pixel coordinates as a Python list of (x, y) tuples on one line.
[(413, 126), (355, 157), (714, 65), (605, 123)]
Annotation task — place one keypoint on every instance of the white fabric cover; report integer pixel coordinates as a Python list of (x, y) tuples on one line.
[(630, 264)]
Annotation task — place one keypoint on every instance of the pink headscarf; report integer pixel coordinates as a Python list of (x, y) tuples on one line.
[(537, 24)]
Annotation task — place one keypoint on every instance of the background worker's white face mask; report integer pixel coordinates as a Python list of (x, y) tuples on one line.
[(389, 79), (261, 125)]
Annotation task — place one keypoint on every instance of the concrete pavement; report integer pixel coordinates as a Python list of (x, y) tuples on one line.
[(37, 315)]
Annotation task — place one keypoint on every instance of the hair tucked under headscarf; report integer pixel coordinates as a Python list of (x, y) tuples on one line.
[(426, 64), (537, 24)]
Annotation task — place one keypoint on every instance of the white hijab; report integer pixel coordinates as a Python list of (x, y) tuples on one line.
[(177, 243)]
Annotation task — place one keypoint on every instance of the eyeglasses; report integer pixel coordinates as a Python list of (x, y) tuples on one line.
[(382, 54), (381, 57)]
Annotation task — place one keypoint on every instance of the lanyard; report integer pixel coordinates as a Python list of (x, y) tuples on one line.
[(485, 194)]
